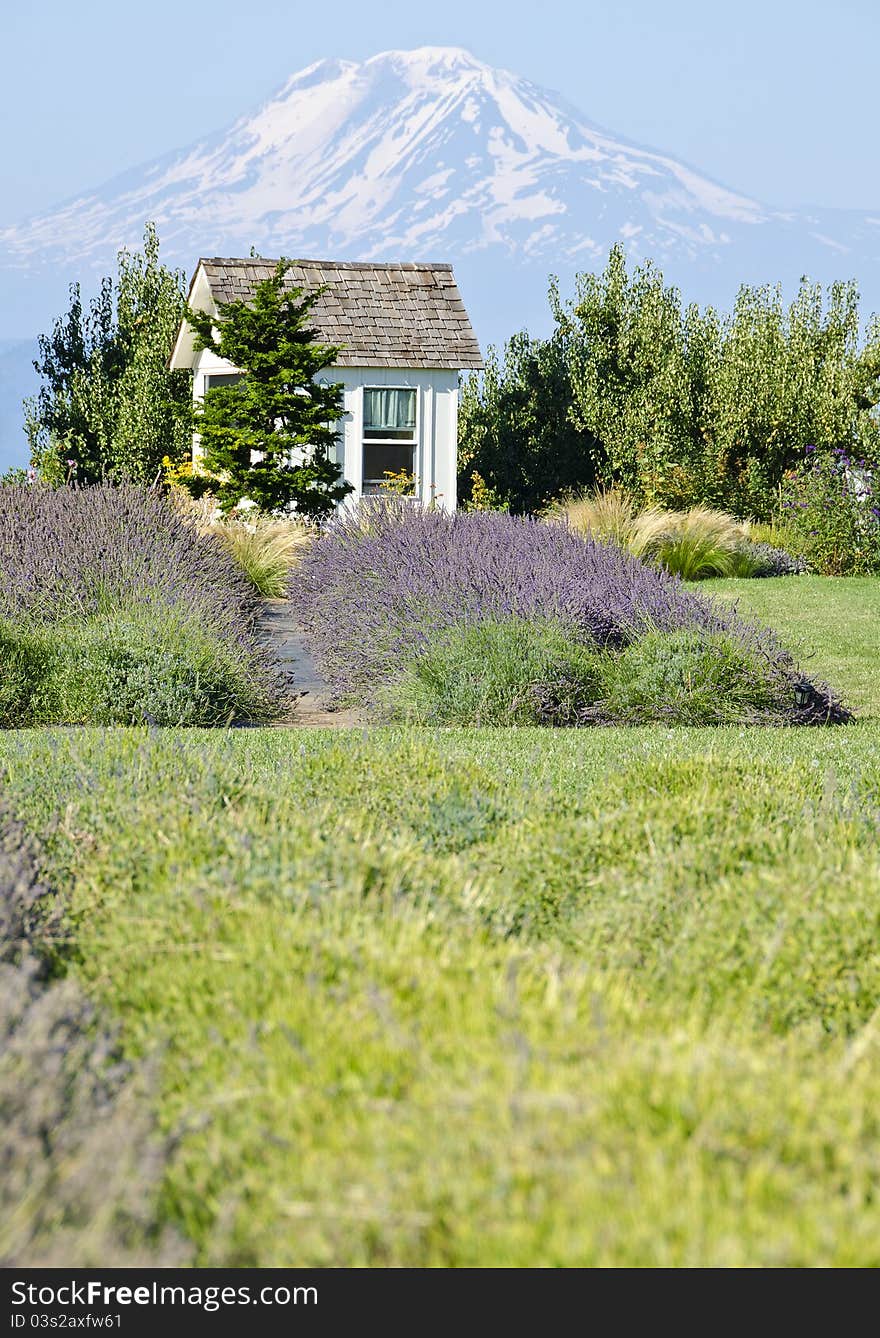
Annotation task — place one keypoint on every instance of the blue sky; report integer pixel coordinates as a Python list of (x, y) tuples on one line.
[(777, 99)]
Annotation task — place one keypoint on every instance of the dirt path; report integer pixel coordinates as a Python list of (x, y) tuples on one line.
[(311, 694)]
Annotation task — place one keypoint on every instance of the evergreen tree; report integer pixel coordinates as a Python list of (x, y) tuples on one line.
[(267, 436), (108, 403)]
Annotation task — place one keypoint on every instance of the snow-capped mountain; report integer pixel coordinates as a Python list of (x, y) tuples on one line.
[(432, 155), (407, 151)]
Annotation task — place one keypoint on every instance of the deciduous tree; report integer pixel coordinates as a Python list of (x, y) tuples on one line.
[(108, 402), (516, 435)]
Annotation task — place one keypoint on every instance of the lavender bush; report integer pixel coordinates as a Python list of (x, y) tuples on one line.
[(71, 552), (384, 582), (765, 559), (82, 1161), (114, 609)]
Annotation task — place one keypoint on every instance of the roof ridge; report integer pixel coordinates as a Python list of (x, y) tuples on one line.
[(328, 264)]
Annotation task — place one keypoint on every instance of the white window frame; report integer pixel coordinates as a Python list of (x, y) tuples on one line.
[(216, 376), (392, 441)]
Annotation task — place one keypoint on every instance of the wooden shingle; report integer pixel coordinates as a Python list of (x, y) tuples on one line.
[(394, 315)]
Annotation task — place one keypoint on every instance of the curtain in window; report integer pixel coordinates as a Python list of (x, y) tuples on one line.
[(390, 410)]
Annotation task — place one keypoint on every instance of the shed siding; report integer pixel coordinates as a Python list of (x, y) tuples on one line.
[(437, 418)]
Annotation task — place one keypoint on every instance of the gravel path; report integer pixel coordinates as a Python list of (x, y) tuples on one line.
[(311, 693)]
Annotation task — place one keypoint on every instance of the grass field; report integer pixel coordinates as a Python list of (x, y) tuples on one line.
[(833, 622), (496, 997)]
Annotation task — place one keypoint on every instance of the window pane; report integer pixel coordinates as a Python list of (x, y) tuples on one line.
[(389, 413), (387, 433), (223, 379), (379, 461)]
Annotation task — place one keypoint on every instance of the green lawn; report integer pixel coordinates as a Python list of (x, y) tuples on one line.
[(833, 622), (486, 997)]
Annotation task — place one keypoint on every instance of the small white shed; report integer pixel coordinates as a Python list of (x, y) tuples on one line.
[(404, 336)]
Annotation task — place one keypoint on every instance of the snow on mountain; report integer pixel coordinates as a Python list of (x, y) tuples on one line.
[(432, 155), (407, 153)]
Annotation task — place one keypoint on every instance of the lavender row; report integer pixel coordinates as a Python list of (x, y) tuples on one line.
[(383, 581), (71, 552)]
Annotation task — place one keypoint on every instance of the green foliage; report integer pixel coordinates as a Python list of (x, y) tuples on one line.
[(786, 379), (479, 997), (692, 407), (15, 477), (634, 369), (517, 444), (476, 998), (498, 673), (23, 663), (691, 678), (482, 496), (770, 532), (830, 511), (512, 672), (109, 406), (125, 668), (267, 436)]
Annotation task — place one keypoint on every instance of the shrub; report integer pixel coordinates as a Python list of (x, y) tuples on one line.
[(607, 516), (383, 584), (517, 444), (114, 609), (483, 497), (70, 552), (82, 1162), (694, 678), (127, 669), (692, 406), (764, 559), (757, 532), (831, 509), (509, 672), (22, 667), (108, 403), (520, 673)]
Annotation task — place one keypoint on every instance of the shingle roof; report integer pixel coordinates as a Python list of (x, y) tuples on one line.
[(395, 315)]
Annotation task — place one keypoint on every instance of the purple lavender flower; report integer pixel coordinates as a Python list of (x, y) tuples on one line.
[(66, 552), (383, 581)]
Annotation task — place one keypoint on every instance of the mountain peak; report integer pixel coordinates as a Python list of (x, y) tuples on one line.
[(424, 63), (425, 152), (438, 57)]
